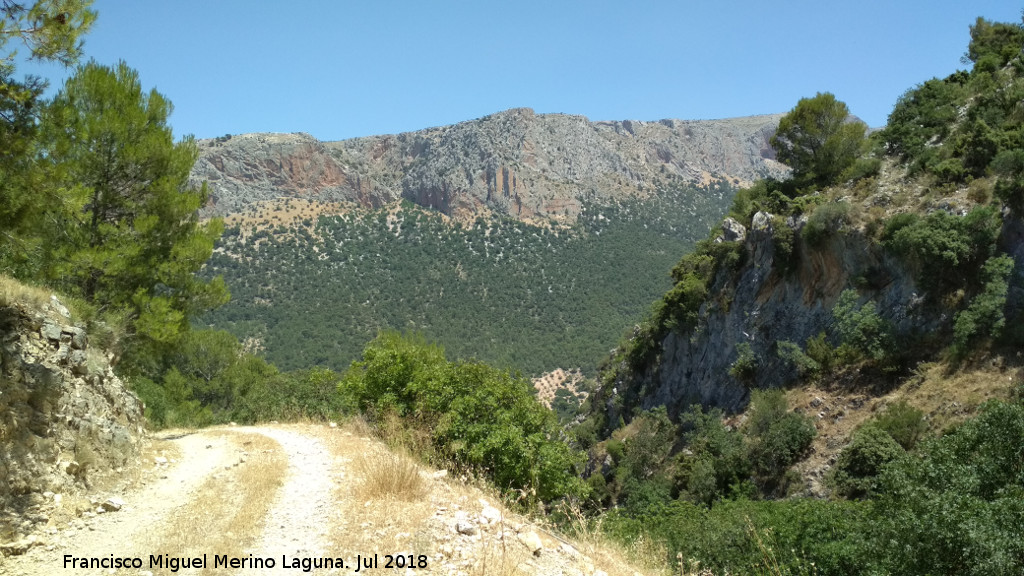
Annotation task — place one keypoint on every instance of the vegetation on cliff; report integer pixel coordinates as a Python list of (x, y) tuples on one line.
[(907, 495)]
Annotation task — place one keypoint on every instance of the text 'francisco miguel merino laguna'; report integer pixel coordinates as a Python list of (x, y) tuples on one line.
[(174, 563)]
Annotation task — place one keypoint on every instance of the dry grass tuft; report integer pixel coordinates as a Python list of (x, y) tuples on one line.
[(385, 475), (642, 556), (12, 292), (499, 558)]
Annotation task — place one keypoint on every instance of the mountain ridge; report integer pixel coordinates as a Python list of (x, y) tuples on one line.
[(532, 167)]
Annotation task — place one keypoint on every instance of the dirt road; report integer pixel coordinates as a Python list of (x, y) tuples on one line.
[(300, 499)]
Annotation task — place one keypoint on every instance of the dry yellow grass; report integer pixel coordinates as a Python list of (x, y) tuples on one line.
[(226, 515), (14, 292), (945, 397), (386, 475)]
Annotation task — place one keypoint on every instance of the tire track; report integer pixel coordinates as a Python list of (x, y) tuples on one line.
[(299, 520)]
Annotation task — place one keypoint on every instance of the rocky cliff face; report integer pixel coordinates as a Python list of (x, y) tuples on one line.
[(65, 418), (517, 163), (762, 303)]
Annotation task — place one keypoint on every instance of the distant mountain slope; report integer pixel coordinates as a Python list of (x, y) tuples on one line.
[(534, 298), (516, 163)]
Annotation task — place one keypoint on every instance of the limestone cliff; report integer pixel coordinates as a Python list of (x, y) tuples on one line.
[(517, 163), (773, 297), (65, 418)]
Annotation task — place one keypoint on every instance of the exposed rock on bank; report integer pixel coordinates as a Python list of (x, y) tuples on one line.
[(65, 418)]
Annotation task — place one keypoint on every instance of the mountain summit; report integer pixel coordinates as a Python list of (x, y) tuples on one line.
[(517, 163)]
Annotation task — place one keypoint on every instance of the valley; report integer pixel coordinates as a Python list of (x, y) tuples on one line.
[(784, 345)]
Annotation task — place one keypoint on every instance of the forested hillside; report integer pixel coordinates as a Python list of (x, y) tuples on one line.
[(528, 297), (829, 382)]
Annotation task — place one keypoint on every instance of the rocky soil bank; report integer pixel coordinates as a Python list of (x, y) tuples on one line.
[(66, 421)]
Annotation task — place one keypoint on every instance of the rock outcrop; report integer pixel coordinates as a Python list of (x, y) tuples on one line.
[(764, 302), (65, 418), (516, 163)]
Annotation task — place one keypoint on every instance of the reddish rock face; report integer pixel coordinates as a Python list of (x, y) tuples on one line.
[(521, 164)]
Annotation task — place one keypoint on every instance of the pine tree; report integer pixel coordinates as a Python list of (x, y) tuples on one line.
[(51, 30), (817, 140), (131, 236)]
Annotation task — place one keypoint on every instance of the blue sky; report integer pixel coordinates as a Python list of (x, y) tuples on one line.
[(339, 69)]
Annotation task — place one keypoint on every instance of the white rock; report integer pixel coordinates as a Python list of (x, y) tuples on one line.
[(112, 504), (532, 542), (490, 515)]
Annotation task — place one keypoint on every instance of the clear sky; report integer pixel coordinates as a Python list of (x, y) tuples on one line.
[(339, 69)]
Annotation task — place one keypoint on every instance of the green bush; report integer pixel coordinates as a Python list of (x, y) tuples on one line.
[(744, 368), (751, 537), (778, 437), (641, 467), (862, 168), (717, 464), (615, 449), (903, 422), (820, 351), (855, 474), (825, 221), (474, 415), (984, 316), (956, 507), (861, 329), (792, 354), (766, 195), (785, 442), (922, 115), (1008, 166), (784, 241)]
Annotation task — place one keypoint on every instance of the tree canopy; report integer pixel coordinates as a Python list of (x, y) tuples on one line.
[(130, 233), (50, 29), (818, 140)]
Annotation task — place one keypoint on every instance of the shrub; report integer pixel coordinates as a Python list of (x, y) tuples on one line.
[(792, 354), (744, 368), (862, 168), (780, 437), (861, 329), (645, 453), (984, 316), (903, 422), (945, 250), (819, 350), (855, 474), (785, 442), (475, 416), (825, 221), (717, 453), (1008, 166), (957, 506), (783, 239)]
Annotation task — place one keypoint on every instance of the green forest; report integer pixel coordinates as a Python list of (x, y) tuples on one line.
[(529, 298)]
